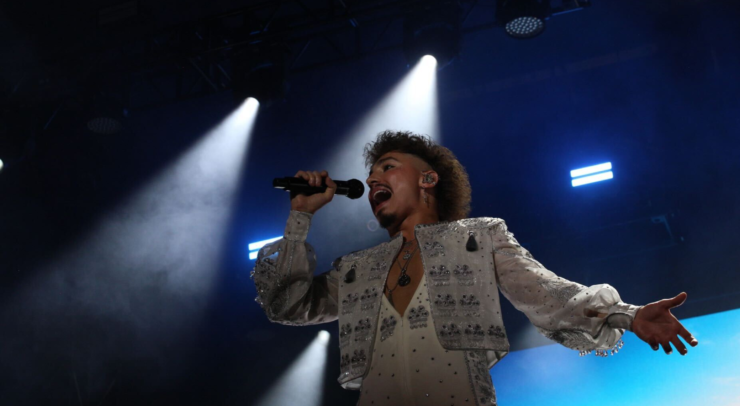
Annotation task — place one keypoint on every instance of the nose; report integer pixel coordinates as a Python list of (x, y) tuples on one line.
[(370, 180)]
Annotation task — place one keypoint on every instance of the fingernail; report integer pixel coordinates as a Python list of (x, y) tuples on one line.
[(670, 352)]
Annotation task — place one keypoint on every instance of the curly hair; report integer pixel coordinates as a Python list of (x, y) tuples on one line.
[(453, 189)]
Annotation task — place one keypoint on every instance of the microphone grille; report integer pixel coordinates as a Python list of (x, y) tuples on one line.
[(356, 189)]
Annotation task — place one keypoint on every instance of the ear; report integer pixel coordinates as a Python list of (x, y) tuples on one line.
[(428, 179)]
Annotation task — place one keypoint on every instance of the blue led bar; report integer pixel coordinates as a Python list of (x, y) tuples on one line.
[(593, 178), (259, 244), (253, 254), (591, 169)]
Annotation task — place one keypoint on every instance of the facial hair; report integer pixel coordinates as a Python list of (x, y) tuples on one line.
[(386, 220)]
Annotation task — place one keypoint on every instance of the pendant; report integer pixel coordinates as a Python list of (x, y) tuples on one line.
[(407, 255), (350, 276), (471, 245), (404, 280)]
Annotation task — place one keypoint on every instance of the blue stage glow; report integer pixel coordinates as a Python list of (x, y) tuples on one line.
[(591, 169), (555, 375), (253, 254), (259, 244), (593, 178)]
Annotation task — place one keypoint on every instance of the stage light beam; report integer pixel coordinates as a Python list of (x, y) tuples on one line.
[(302, 384), (147, 269), (411, 105)]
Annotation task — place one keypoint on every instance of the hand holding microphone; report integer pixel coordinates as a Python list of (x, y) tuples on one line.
[(311, 190)]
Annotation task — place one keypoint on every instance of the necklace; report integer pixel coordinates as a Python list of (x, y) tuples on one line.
[(403, 279)]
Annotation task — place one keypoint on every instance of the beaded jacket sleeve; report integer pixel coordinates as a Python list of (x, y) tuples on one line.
[(576, 316), (284, 277)]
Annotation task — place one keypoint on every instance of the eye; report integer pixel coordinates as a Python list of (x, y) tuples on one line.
[(387, 165)]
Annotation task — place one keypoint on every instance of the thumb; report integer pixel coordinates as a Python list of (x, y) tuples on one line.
[(330, 184), (676, 301)]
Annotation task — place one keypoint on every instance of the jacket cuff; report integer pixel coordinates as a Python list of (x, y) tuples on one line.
[(621, 315), (297, 227)]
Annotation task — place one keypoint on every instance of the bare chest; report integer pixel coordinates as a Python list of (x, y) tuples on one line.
[(400, 296)]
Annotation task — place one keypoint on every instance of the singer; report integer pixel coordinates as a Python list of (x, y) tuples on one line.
[(419, 315)]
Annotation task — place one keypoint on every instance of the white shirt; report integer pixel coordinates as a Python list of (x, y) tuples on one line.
[(410, 367)]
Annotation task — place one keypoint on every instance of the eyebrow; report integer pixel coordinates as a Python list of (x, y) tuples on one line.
[(380, 162)]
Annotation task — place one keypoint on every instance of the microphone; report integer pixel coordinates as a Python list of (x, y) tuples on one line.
[(352, 188)]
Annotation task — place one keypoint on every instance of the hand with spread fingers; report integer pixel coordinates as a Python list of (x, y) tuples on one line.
[(655, 325)]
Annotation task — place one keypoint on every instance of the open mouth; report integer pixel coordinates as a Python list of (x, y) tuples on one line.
[(380, 198)]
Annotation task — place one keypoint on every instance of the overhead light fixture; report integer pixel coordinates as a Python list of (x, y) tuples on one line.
[(523, 19), (433, 30), (106, 114)]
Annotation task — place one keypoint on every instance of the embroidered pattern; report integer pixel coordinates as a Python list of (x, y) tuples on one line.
[(363, 329), (496, 332), (349, 303), (470, 306), (345, 333), (386, 327), (377, 271), (464, 275), (474, 332), (418, 317), (368, 299), (480, 377), (450, 334), (434, 249), (440, 276), (562, 291)]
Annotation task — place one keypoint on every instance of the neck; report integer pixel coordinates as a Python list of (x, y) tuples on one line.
[(406, 227)]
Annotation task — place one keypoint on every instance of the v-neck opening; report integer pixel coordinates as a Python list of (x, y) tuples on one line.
[(421, 282)]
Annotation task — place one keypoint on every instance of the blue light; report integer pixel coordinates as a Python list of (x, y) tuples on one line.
[(593, 178), (259, 244), (590, 169), (708, 371), (253, 254)]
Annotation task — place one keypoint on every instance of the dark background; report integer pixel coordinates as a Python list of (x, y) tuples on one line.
[(650, 86)]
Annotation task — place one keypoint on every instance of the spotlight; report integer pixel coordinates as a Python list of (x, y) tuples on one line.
[(1, 165), (324, 337), (261, 73), (523, 18), (106, 115), (434, 30)]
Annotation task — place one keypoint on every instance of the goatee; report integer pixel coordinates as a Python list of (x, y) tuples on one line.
[(386, 220)]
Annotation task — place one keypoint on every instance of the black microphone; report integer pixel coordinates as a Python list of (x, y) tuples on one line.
[(352, 188)]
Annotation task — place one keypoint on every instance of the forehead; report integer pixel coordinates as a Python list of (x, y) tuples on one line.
[(401, 157)]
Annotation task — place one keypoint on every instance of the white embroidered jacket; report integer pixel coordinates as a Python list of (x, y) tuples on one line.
[(465, 261)]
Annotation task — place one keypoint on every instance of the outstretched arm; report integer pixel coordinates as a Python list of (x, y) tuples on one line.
[(655, 325), (580, 317)]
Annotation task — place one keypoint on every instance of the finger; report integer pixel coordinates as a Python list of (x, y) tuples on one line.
[(314, 178), (653, 344), (303, 175), (319, 179), (679, 345), (667, 348), (687, 336), (676, 301), (330, 184)]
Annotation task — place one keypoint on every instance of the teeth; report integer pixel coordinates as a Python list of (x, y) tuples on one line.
[(375, 195)]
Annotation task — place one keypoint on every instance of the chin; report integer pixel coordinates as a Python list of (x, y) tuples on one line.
[(385, 219)]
